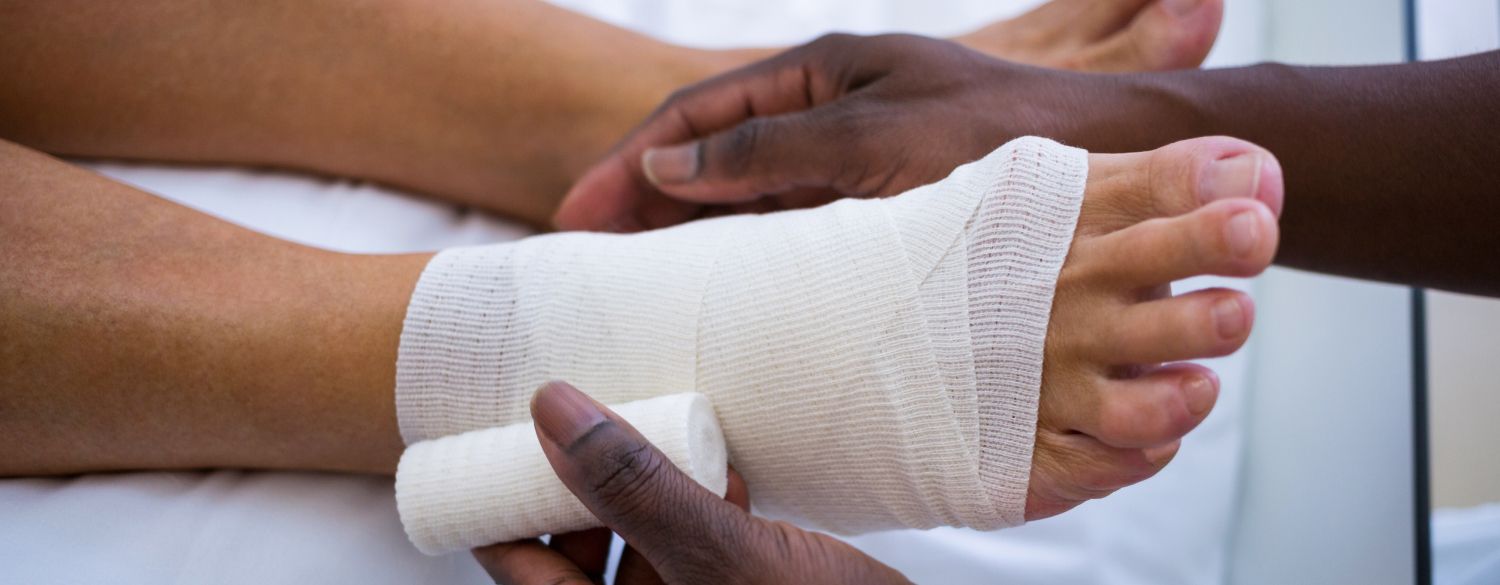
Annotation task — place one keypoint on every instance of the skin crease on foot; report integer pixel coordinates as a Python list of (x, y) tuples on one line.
[(1110, 415)]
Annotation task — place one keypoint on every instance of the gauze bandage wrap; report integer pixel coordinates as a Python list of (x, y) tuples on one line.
[(495, 485), (874, 363)]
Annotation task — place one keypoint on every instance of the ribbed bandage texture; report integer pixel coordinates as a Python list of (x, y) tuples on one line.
[(495, 485), (875, 364)]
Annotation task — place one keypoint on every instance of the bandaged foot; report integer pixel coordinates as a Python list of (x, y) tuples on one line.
[(879, 363)]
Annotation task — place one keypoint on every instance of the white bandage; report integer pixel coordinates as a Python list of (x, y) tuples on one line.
[(875, 363), (495, 485)]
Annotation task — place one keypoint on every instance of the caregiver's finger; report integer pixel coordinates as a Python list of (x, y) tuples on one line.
[(610, 196), (763, 156), (634, 489), (528, 562), (586, 549), (738, 492)]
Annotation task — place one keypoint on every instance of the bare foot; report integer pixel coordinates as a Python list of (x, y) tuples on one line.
[(1105, 35), (1082, 35), (1110, 415)]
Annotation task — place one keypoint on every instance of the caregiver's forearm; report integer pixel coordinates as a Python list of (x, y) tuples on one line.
[(1392, 172), (496, 103), (138, 334)]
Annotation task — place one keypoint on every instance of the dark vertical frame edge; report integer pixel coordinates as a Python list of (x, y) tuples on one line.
[(1421, 470)]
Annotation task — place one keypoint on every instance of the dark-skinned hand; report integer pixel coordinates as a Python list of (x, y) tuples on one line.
[(842, 116), (676, 531)]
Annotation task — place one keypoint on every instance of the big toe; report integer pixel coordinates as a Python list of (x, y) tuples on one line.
[(1125, 189)]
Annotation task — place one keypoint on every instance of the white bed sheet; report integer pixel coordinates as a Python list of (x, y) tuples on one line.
[(1466, 545), (259, 527)]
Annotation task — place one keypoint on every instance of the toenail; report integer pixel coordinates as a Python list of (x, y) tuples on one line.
[(1198, 391), (1180, 7), (1229, 317), (1241, 232), (1236, 176)]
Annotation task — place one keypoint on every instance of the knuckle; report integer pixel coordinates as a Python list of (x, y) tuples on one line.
[(675, 98), (1139, 423), (1202, 241), (736, 153), (624, 475), (728, 548), (1167, 420), (1172, 176), (673, 105), (833, 39), (1177, 421), (1125, 422)]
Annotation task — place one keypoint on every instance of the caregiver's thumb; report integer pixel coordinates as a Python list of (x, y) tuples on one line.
[(630, 485), (760, 156), (684, 532)]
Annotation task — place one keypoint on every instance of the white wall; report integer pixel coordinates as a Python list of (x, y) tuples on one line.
[(1329, 482), (1463, 342)]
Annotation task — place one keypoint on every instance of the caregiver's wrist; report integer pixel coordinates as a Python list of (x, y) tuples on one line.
[(1132, 112), (1095, 111)]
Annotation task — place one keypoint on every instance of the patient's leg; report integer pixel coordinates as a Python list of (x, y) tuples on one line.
[(135, 333), (139, 334), (499, 104)]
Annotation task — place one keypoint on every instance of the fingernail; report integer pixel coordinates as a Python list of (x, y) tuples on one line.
[(1236, 176), (563, 413), (1180, 7), (1241, 231), (1229, 317), (672, 164), (1198, 391)]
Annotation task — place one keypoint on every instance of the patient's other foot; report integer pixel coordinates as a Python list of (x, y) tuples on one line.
[(1082, 35), (1110, 415), (1105, 35)]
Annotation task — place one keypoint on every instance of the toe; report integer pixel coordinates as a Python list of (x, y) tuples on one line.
[(1234, 237), (1124, 189), (1153, 410), (1069, 469), (1199, 324)]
